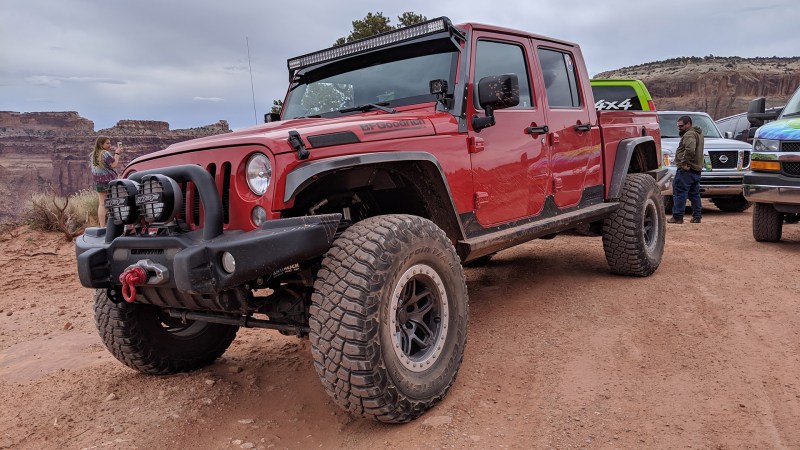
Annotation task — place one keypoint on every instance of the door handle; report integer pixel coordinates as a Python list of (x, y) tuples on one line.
[(537, 130), (584, 127)]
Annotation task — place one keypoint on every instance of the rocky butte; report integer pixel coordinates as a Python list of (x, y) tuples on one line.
[(720, 86), (43, 151)]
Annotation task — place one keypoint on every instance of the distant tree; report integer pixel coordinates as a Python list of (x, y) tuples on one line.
[(377, 23), (276, 106)]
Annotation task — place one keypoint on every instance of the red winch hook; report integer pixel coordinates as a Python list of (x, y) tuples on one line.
[(129, 279)]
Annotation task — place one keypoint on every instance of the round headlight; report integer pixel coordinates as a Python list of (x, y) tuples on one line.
[(159, 198), (121, 201), (259, 172)]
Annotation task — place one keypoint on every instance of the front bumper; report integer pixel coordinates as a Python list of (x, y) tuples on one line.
[(191, 262), (714, 184), (775, 188)]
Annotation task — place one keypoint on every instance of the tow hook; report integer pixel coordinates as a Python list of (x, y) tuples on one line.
[(144, 271)]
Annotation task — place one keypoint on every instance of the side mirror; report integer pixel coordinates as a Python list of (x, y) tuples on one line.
[(495, 92), (271, 117), (728, 135), (757, 114)]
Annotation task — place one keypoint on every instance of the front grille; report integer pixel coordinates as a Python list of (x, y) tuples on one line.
[(724, 160), (193, 208), (746, 160), (791, 168), (790, 146)]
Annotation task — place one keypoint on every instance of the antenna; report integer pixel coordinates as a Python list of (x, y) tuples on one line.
[(252, 90)]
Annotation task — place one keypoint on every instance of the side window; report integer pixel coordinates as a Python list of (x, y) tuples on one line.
[(497, 58), (623, 98), (726, 125), (560, 79)]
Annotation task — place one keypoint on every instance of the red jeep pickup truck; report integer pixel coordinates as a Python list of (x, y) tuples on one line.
[(395, 159)]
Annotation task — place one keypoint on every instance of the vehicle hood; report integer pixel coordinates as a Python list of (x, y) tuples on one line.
[(670, 145), (316, 132), (783, 130)]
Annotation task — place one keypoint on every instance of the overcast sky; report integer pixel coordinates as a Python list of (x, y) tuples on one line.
[(185, 62)]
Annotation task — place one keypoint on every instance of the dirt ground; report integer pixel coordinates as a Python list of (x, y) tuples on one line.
[(703, 354)]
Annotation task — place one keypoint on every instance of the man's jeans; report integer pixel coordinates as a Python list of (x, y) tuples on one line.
[(686, 182)]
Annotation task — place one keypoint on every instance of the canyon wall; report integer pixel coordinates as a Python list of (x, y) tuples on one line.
[(720, 86), (49, 151)]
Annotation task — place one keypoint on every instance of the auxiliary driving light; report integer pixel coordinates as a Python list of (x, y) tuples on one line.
[(121, 201), (258, 215), (159, 198), (228, 263)]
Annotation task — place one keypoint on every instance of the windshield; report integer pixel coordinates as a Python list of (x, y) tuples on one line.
[(793, 107), (392, 77), (669, 125)]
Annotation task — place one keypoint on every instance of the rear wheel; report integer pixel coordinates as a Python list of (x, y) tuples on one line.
[(633, 236), (145, 338), (767, 223), (731, 204), (389, 318)]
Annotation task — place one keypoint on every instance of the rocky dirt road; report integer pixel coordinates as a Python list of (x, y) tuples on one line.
[(703, 354)]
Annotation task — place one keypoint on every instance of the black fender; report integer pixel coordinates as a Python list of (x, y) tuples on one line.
[(304, 175), (622, 162)]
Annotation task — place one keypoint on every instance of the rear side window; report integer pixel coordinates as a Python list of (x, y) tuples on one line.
[(560, 79), (616, 98), (497, 58)]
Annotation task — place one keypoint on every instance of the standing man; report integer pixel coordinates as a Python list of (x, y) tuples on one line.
[(689, 159)]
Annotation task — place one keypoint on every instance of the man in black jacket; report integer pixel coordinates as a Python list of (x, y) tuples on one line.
[(689, 159)]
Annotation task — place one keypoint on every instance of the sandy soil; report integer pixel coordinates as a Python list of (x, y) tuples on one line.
[(703, 354)]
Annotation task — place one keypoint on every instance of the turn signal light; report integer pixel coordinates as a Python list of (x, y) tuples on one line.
[(765, 165)]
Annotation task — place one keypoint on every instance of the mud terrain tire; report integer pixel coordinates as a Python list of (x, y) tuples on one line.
[(144, 338), (731, 204), (388, 318), (633, 236), (767, 223)]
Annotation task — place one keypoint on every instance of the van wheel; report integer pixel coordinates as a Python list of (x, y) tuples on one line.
[(633, 236), (388, 318), (767, 223)]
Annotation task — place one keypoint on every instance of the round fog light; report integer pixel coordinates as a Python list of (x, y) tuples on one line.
[(259, 216), (228, 263)]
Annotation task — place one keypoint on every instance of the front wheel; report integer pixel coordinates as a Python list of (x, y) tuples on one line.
[(145, 338), (633, 236), (389, 318), (731, 204), (767, 223)]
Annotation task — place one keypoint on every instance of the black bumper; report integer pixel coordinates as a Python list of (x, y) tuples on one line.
[(194, 264)]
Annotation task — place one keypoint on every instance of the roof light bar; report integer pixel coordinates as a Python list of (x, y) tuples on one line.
[(381, 40)]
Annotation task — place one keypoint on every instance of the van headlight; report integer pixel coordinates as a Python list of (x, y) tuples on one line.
[(259, 173), (159, 198), (766, 145)]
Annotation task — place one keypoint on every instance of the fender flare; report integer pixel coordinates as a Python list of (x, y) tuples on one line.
[(625, 150), (305, 174)]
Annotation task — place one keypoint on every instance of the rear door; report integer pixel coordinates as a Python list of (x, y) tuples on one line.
[(575, 157)]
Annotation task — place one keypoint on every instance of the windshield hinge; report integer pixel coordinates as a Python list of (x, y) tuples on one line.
[(297, 143)]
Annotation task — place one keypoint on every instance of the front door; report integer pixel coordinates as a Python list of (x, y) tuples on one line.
[(510, 168)]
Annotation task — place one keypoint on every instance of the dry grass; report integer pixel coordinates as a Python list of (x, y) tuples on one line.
[(70, 215)]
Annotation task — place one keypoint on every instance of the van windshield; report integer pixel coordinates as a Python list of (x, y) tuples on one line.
[(792, 109), (392, 77)]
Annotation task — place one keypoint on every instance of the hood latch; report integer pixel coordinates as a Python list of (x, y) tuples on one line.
[(297, 143)]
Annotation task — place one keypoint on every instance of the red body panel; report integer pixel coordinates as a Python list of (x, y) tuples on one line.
[(504, 169)]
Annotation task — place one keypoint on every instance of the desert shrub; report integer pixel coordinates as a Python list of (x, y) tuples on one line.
[(50, 212)]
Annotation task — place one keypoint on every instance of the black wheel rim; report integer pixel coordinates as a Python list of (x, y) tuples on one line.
[(419, 315), (650, 227)]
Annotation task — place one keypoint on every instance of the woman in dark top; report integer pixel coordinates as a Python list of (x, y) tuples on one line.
[(103, 164)]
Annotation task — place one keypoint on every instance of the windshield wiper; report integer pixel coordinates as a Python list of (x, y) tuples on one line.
[(796, 113), (370, 106)]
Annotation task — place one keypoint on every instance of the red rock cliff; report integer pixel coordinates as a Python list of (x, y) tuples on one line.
[(44, 150)]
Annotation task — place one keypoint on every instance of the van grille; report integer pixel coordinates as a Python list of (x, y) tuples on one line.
[(791, 168), (790, 146)]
